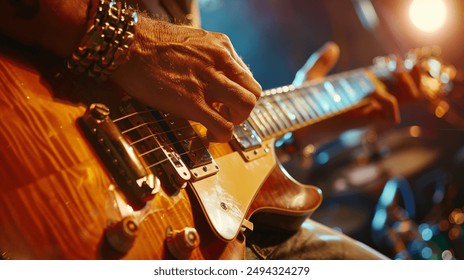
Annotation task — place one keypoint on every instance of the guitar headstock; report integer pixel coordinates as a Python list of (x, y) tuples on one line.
[(433, 78)]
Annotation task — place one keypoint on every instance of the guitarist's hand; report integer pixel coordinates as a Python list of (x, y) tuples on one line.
[(191, 73), (382, 108)]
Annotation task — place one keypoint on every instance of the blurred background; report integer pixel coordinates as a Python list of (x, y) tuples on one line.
[(399, 190)]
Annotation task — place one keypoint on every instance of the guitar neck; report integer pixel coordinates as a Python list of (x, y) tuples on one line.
[(285, 109)]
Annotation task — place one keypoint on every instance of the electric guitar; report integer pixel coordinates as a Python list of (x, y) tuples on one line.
[(88, 173)]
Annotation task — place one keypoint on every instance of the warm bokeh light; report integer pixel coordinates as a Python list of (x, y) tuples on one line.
[(428, 15)]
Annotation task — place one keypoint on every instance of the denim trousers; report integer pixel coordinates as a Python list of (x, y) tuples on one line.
[(313, 241)]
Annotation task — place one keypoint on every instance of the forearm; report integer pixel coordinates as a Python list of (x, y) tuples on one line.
[(190, 72), (54, 25)]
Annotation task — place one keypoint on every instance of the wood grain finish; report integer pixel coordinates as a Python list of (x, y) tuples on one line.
[(55, 193), (58, 198)]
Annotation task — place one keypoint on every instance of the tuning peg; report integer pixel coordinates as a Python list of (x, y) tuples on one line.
[(424, 53), (448, 74), (389, 62)]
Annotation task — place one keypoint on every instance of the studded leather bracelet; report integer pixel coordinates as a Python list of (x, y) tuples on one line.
[(106, 43)]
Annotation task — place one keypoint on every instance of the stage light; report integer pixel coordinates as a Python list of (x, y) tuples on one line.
[(428, 15)]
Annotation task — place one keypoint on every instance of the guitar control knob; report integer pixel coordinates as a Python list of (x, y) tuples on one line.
[(181, 243), (121, 235)]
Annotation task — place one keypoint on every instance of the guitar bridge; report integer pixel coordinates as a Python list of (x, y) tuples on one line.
[(132, 150), (118, 156), (148, 136)]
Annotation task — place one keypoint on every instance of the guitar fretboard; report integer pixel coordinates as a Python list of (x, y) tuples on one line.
[(284, 109)]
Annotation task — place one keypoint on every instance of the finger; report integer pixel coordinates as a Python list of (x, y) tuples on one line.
[(406, 88), (386, 105), (240, 62), (318, 64), (232, 70), (236, 100), (219, 129), (231, 116), (227, 45)]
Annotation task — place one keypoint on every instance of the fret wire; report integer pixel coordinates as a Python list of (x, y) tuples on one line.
[(257, 125), (368, 85), (259, 118), (285, 112), (329, 103), (262, 119), (299, 95), (310, 112), (310, 101), (297, 102), (277, 116), (344, 99), (324, 100), (361, 85), (290, 106), (353, 81), (266, 119), (334, 96), (351, 95), (296, 94), (347, 92), (305, 104)]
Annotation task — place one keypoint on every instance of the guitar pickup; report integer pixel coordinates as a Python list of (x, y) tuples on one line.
[(246, 137), (189, 145), (247, 142)]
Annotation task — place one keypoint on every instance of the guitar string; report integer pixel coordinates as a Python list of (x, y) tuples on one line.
[(167, 159), (152, 136), (163, 145), (339, 77), (190, 151), (309, 113), (283, 95), (264, 109), (270, 99)]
